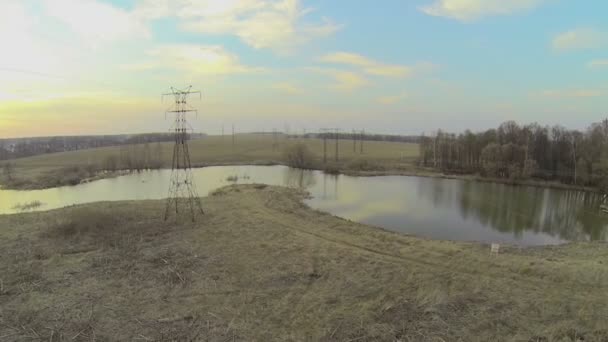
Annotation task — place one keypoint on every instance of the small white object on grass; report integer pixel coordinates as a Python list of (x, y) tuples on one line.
[(494, 248)]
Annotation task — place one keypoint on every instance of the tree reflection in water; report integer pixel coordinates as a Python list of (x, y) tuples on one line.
[(299, 178), (569, 215)]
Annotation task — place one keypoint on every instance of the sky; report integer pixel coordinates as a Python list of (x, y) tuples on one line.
[(71, 67)]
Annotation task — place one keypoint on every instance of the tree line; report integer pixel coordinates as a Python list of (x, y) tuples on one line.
[(26, 147), (365, 136), (135, 158), (514, 151)]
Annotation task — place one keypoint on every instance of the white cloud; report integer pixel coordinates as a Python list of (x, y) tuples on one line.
[(95, 21), (200, 59), (347, 58), (581, 38), (469, 10), (372, 67), (287, 88), (343, 80), (598, 63), (277, 25), (368, 66), (572, 93), (347, 81), (391, 99)]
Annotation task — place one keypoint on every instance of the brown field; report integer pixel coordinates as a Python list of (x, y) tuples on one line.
[(261, 266)]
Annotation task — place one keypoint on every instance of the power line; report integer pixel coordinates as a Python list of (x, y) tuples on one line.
[(337, 136), (362, 138), (324, 135), (275, 139), (325, 132), (182, 186)]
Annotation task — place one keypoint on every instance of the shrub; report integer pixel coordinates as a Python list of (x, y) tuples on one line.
[(7, 169), (299, 155), (27, 206), (332, 169), (362, 164), (90, 227)]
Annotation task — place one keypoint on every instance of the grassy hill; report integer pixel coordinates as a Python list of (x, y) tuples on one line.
[(261, 266)]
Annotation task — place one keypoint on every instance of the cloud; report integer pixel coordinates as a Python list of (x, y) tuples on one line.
[(95, 21), (347, 58), (287, 88), (572, 93), (36, 56), (581, 38), (391, 99), (199, 59), (372, 67), (276, 25), (470, 10), (343, 80), (347, 81), (598, 63)]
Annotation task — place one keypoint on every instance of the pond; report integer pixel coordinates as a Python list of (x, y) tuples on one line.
[(429, 207)]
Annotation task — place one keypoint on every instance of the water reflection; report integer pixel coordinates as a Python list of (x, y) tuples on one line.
[(569, 215), (299, 178), (430, 207)]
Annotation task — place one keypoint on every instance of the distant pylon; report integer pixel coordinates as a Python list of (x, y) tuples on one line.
[(182, 188)]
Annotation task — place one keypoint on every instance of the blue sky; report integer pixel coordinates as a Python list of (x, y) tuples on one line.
[(405, 67)]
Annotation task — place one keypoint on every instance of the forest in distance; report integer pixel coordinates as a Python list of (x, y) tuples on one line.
[(517, 152), (26, 147)]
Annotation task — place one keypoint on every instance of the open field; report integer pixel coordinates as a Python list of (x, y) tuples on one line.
[(261, 266), (65, 168)]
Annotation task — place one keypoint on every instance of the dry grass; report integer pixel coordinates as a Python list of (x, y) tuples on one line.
[(261, 266), (28, 206)]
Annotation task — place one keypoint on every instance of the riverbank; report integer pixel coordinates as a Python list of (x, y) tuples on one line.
[(69, 168), (434, 174), (62, 178), (261, 266), (379, 159)]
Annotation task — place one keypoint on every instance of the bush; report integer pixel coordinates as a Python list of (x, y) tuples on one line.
[(70, 175), (299, 156), (332, 169), (27, 206), (89, 227), (363, 164), (7, 169)]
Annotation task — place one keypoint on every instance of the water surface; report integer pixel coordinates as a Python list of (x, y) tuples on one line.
[(430, 207)]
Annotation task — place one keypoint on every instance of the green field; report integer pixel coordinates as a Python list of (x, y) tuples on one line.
[(261, 266), (68, 167)]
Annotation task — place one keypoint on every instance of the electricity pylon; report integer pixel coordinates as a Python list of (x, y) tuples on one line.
[(182, 188)]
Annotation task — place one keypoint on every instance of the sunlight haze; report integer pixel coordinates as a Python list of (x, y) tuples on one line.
[(404, 67)]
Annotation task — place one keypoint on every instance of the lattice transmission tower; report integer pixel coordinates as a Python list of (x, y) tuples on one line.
[(182, 190)]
